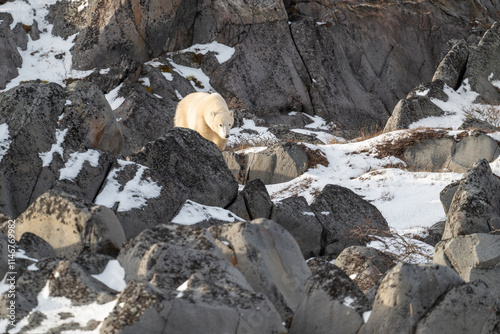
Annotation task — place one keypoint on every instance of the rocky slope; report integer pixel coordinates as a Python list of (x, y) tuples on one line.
[(112, 221)]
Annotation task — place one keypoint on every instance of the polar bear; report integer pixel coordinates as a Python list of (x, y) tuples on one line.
[(206, 113)]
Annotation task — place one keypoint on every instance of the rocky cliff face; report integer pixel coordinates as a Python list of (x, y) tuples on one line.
[(123, 224), (349, 62)]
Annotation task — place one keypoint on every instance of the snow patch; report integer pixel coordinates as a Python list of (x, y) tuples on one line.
[(193, 213), (75, 164), (114, 100), (222, 52), (133, 195), (113, 276), (56, 148), (194, 73), (4, 140), (366, 316)]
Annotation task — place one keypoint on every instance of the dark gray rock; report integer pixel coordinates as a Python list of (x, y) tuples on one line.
[(35, 247), (90, 119), (475, 123), (143, 117), (330, 303), (269, 258), (452, 68), (295, 215), (34, 31), (20, 36), (4, 252), (446, 195), (408, 111), (62, 279), (93, 263), (474, 257), (50, 137), (364, 265), (239, 208), (435, 233), (71, 225), (124, 69), (473, 208), (10, 59), (347, 218), (195, 163), (31, 111), (257, 200), (406, 294), (467, 308), (70, 280), (483, 66)]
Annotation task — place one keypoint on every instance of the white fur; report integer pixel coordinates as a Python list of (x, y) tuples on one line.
[(206, 113)]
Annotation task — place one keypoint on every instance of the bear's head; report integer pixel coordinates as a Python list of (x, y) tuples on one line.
[(221, 123)]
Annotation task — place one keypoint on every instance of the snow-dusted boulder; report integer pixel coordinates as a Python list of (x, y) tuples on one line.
[(452, 67), (268, 257), (330, 303), (483, 66), (474, 207), (71, 225), (347, 218)]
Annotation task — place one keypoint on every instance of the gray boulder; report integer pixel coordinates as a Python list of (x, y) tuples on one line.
[(35, 247), (269, 258), (483, 66), (435, 154), (151, 187), (276, 164), (195, 163), (90, 119), (65, 134), (71, 225), (364, 265), (62, 279), (474, 257), (474, 208), (410, 110), (406, 294), (446, 195), (348, 220), (330, 303), (477, 312), (188, 276), (10, 59), (452, 67), (296, 216), (258, 204)]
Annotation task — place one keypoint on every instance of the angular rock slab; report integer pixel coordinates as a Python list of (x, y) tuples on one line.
[(71, 225), (296, 216), (180, 281), (406, 294), (474, 208), (346, 217), (474, 257), (483, 66), (195, 163), (269, 258), (452, 67), (467, 308), (330, 303), (364, 265)]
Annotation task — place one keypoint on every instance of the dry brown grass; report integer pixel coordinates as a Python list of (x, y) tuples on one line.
[(490, 113)]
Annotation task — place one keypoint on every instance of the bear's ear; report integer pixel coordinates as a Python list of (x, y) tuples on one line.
[(212, 113), (231, 113)]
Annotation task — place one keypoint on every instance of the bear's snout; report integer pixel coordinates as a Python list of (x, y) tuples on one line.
[(227, 136)]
